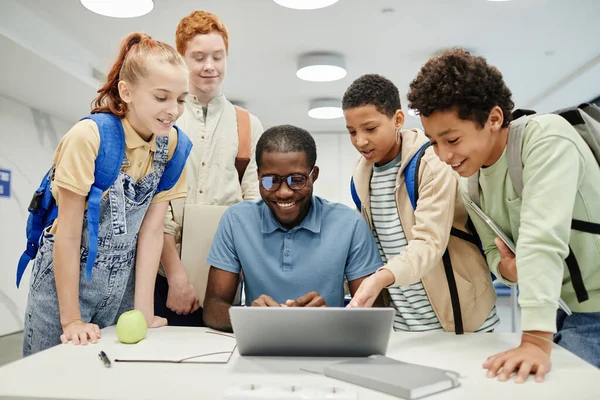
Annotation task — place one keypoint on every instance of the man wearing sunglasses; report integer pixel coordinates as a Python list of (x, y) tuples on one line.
[(294, 249)]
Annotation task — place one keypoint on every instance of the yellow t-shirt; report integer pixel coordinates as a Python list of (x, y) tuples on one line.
[(75, 156)]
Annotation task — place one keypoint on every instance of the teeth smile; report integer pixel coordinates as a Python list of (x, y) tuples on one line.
[(286, 205), (456, 165), (164, 121)]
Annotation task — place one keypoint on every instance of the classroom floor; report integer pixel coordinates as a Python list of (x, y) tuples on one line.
[(10, 345)]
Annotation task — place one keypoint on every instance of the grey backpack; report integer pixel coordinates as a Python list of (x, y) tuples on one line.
[(585, 118)]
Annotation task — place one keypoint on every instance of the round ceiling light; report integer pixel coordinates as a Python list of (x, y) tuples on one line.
[(321, 67), (119, 8), (325, 109), (305, 4)]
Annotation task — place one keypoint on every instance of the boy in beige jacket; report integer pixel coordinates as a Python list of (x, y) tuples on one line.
[(435, 277)]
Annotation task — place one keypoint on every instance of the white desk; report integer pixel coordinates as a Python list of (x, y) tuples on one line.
[(67, 371)]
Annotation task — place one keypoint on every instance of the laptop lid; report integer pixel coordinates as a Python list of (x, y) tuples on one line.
[(311, 332)]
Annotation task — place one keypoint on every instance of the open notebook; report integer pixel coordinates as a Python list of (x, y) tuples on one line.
[(393, 377), (216, 349)]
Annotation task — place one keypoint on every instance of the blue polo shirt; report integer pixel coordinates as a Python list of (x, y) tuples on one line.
[(332, 242)]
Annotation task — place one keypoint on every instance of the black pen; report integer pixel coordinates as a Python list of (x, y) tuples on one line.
[(102, 356)]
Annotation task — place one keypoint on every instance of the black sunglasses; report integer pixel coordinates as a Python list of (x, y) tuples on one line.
[(294, 181)]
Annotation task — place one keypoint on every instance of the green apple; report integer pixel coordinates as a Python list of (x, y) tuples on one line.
[(131, 327)]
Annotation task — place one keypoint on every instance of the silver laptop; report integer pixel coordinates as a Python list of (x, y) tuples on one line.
[(311, 332)]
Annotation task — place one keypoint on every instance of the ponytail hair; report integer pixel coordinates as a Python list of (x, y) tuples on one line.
[(131, 64)]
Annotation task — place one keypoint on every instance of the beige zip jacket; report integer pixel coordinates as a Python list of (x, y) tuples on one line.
[(427, 229)]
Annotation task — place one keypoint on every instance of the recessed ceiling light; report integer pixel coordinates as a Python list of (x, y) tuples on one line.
[(119, 8), (305, 4), (321, 67), (325, 109)]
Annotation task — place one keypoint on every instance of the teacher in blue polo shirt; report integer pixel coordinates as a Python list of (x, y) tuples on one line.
[(294, 249)]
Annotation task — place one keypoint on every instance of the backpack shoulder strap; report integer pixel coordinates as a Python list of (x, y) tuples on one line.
[(513, 152), (355, 197), (244, 138), (411, 175), (586, 120), (176, 164), (592, 110), (111, 151), (107, 167)]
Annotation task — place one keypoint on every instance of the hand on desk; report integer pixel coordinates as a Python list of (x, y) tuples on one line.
[(157, 322), (78, 332), (182, 298), (311, 299), (531, 357), (508, 263)]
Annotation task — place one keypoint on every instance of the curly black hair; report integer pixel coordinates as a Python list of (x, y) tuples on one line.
[(457, 80), (286, 139), (373, 89)]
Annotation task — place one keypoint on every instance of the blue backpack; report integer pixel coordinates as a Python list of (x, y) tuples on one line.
[(44, 210), (411, 179)]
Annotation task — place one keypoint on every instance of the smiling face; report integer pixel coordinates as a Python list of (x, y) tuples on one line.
[(156, 101), (206, 57), (288, 206), (463, 144), (373, 133)]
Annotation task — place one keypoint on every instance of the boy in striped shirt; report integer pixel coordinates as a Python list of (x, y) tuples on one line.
[(423, 261)]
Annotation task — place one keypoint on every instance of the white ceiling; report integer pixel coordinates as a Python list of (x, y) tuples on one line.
[(547, 49)]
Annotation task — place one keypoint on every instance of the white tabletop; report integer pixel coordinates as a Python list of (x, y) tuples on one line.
[(68, 371)]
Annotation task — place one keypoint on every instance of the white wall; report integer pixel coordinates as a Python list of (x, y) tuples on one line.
[(28, 139), (336, 158)]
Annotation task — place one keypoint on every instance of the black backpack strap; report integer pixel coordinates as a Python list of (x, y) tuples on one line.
[(573, 265), (584, 226), (518, 113), (458, 323), (454, 299), (465, 236), (576, 278)]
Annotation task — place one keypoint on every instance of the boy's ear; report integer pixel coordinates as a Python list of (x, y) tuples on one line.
[(399, 119), (496, 118)]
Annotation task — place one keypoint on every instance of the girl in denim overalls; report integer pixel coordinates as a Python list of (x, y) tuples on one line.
[(146, 88)]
